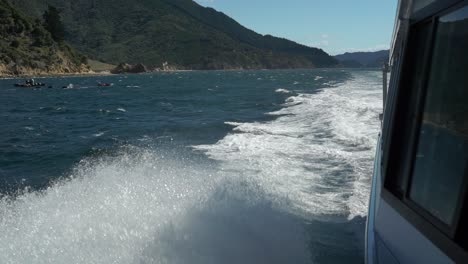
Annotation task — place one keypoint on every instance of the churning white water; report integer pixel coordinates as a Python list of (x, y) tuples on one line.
[(318, 153)]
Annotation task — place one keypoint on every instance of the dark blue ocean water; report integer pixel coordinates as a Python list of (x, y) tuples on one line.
[(188, 167)]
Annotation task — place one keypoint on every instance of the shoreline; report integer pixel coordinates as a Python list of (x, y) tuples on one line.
[(106, 73), (52, 75)]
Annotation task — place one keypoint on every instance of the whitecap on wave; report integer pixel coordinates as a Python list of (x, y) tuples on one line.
[(233, 123), (281, 90), (99, 134)]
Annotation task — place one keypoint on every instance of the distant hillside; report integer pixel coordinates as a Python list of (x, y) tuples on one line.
[(180, 32), (363, 59), (26, 48)]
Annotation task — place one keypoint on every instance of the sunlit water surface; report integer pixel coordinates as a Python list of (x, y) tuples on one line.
[(189, 167)]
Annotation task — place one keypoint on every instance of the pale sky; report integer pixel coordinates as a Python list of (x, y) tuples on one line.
[(335, 26)]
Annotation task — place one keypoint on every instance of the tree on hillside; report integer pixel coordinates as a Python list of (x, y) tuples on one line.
[(53, 23)]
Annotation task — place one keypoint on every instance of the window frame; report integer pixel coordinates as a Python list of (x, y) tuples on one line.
[(393, 146), (451, 239)]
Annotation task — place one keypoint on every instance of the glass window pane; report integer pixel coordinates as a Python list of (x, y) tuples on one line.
[(406, 111), (442, 152)]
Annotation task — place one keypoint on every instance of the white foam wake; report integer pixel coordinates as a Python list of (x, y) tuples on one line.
[(318, 153), (145, 206)]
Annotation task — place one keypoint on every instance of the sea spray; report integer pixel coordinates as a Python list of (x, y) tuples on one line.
[(145, 206)]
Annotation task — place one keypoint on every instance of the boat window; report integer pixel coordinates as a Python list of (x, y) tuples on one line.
[(441, 158), (406, 110)]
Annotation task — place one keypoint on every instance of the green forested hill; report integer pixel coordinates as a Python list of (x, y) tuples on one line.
[(181, 32), (229, 26), (26, 47)]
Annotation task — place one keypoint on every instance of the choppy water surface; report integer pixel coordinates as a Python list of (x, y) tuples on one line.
[(190, 167)]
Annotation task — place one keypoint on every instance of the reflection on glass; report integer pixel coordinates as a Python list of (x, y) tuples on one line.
[(420, 4), (442, 153)]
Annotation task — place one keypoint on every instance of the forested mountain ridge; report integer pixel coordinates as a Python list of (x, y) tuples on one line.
[(27, 48), (373, 59), (180, 32)]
